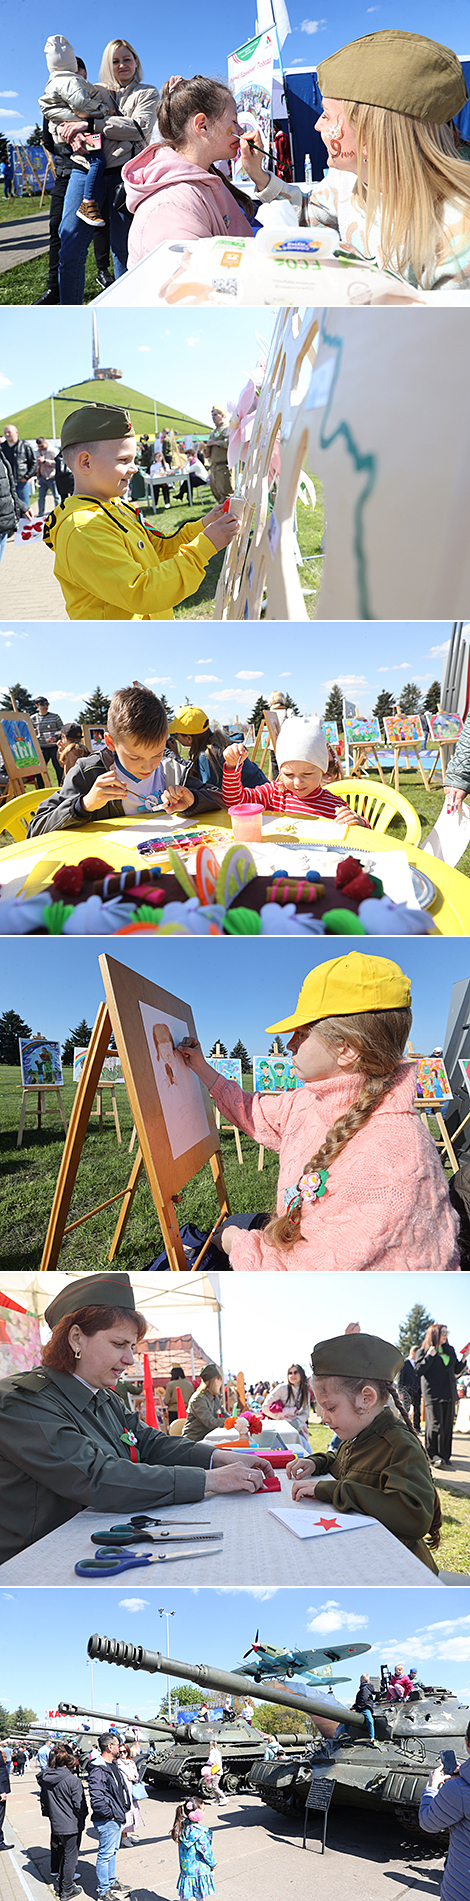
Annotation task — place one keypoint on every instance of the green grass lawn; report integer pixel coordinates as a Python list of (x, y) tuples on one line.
[(310, 527), (426, 804), (28, 1177), (25, 283), (26, 207), (454, 1548)]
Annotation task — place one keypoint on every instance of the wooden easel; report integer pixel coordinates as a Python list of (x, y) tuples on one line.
[(105, 1115), (276, 1052), (449, 745), (110, 1020), (365, 747), (45, 1089), (228, 1128), (432, 1108), (19, 773), (264, 760)]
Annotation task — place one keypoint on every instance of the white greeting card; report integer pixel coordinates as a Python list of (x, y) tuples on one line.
[(320, 1522)]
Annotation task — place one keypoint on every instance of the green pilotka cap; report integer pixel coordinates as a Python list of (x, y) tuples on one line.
[(402, 72), (356, 1356), (96, 422), (91, 1290)]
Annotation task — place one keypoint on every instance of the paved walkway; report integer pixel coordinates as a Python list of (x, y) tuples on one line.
[(23, 238), (28, 589), (258, 1853), (457, 1477)]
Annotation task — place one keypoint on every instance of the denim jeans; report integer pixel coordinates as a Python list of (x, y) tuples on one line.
[(23, 492), (43, 486), (75, 236), (3, 543), (370, 1724), (109, 1835)]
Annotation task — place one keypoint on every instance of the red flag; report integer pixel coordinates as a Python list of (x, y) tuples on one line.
[(180, 1405), (150, 1414)]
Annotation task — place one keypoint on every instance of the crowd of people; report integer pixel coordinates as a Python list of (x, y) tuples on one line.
[(135, 166)]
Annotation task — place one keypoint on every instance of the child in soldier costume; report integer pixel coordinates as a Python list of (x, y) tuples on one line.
[(380, 1467), (110, 565)]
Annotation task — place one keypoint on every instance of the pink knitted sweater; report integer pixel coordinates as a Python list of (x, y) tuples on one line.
[(386, 1205)]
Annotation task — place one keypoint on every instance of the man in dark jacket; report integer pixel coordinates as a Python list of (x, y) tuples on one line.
[(22, 460), (110, 1802), (10, 507), (4, 1791), (409, 1386), (63, 1799)]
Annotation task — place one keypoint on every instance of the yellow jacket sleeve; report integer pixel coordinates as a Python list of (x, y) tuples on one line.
[(104, 561)]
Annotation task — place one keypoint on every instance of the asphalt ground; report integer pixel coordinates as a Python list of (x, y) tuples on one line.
[(259, 1854), (24, 238)]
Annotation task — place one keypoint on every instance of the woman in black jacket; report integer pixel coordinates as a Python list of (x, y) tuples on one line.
[(4, 1791), (63, 1799), (10, 507), (435, 1387), (452, 1368)]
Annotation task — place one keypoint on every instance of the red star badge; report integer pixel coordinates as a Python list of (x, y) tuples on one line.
[(329, 1524)]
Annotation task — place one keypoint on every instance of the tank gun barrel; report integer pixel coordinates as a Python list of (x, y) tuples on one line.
[(134, 1657), (143, 1722)]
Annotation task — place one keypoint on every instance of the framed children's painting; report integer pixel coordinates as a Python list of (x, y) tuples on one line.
[(271, 1073), (41, 1062)]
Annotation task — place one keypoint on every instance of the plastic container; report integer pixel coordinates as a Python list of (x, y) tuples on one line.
[(247, 823)]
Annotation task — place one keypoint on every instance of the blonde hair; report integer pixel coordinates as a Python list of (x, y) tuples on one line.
[(413, 170), (107, 76), (379, 1037)]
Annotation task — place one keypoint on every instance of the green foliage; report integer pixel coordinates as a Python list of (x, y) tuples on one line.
[(273, 1717), (5, 1718), (11, 1027), (384, 705), (410, 698), (241, 1054), (433, 698), (255, 718), (412, 1330), (77, 1039), (21, 1720), (22, 698), (277, 1047), (334, 706), (3, 150), (36, 136), (95, 712)]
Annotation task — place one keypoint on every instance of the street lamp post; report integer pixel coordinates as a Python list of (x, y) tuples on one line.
[(167, 1615)]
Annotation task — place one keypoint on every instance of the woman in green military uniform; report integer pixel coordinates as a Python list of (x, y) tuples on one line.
[(66, 1442), (205, 1409), (379, 1467)]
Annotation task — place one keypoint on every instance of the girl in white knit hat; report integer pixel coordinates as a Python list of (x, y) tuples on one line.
[(302, 757)]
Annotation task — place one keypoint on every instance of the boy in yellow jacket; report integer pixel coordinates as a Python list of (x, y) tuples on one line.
[(109, 564)]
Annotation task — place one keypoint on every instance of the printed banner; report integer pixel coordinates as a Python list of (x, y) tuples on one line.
[(250, 78)]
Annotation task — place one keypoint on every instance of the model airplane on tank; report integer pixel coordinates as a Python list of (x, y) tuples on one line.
[(274, 1661)]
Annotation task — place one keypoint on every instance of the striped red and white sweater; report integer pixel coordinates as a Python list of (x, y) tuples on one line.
[(276, 797)]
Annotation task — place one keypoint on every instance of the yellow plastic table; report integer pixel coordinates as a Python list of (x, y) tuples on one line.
[(113, 840)]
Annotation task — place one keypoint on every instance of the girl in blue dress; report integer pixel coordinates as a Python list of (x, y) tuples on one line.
[(195, 1852)]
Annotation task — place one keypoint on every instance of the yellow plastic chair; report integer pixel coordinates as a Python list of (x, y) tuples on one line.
[(379, 804), (15, 817)]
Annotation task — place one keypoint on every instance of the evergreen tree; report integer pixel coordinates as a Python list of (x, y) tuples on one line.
[(334, 706), (433, 698), (77, 1039), (384, 705), (291, 705), (22, 698), (279, 1050), (36, 136), (21, 1720), (11, 1027), (95, 712), (410, 698), (5, 1718), (259, 709), (412, 1330), (221, 1051), (169, 710), (241, 1054)]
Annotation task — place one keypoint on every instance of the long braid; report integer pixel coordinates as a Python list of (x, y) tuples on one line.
[(434, 1535)]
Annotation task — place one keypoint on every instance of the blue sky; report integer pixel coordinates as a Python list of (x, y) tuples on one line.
[(432, 1634), (188, 361), (197, 38), (39, 656), (233, 989)]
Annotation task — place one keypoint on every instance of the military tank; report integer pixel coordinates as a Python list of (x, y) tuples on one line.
[(389, 1778), (178, 1751)]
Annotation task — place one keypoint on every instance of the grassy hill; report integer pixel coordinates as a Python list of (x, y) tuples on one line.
[(37, 421)]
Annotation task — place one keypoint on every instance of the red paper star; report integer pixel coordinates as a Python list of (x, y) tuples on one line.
[(329, 1524)]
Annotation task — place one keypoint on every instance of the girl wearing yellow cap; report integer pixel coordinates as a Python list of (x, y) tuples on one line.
[(360, 1182), (397, 189)]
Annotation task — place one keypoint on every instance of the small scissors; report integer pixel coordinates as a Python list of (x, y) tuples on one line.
[(109, 1564), (139, 1519), (126, 1535)]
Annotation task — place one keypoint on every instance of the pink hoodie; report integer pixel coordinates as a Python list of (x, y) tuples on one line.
[(170, 198), (386, 1206)]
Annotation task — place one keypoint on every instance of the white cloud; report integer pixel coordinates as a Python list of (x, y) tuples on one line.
[(204, 661), (5, 381), (311, 26), (8, 634), (237, 695), (23, 133), (9, 115), (191, 341), (133, 1604), (249, 676), (159, 679), (434, 651), (8, 95), (9, 1595), (58, 693), (200, 678), (400, 666), (348, 679), (285, 676), (144, 349), (332, 1618)]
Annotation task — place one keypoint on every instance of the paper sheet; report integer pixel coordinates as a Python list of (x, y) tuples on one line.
[(450, 835), (320, 1522)]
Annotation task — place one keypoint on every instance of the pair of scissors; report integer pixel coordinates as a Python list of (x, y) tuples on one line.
[(120, 1535), (140, 1519), (109, 1564)]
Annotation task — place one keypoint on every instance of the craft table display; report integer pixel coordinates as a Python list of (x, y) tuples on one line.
[(255, 1550), (38, 858), (346, 421), (172, 1111)]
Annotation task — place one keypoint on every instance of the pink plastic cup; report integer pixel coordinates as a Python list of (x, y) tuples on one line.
[(246, 823)]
